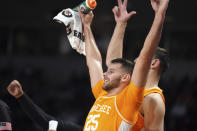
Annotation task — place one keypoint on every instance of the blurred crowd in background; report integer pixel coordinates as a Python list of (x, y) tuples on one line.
[(35, 50)]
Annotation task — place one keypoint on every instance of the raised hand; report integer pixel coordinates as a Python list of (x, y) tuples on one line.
[(159, 5), (15, 89), (120, 12), (86, 18)]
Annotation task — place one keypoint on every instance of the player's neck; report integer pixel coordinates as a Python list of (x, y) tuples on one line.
[(152, 79), (116, 91)]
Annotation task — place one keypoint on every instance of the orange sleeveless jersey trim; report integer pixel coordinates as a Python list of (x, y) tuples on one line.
[(114, 113), (140, 121), (154, 90)]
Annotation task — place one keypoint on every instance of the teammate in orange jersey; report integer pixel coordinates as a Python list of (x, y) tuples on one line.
[(152, 111), (119, 91)]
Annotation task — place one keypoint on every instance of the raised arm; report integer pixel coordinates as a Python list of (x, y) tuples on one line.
[(93, 56), (142, 64), (5, 117), (121, 16), (34, 112)]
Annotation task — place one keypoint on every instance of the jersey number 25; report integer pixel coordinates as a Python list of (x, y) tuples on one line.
[(92, 123)]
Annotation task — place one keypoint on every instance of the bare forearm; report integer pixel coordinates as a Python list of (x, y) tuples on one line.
[(93, 57), (115, 48), (156, 124), (143, 62), (152, 129), (92, 52)]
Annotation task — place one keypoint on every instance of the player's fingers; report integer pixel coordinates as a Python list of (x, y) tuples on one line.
[(91, 13), (81, 14), (16, 82), (11, 88), (10, 85), (115, 10), (8, 88), (132, 13), (125, 3), (119, 3)]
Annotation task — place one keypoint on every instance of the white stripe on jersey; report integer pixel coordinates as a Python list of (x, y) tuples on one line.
[(124, 126)]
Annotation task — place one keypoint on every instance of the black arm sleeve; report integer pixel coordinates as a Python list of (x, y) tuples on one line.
[(37, 115), (4, 112)]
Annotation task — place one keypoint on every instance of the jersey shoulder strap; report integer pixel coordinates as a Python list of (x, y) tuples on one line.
[(154, 90)]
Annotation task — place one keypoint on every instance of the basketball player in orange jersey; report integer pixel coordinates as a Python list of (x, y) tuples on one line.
[(119, 91), (152, 111)]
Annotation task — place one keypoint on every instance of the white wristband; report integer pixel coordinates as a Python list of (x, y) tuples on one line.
[(53, 125)]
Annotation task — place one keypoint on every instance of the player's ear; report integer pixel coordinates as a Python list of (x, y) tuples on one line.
[(126, 77), (155, 63)]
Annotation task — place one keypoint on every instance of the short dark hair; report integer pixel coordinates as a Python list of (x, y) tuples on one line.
[(163, 57), (126, 64)]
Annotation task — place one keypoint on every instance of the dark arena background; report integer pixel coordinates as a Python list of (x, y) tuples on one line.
[(35, 50)]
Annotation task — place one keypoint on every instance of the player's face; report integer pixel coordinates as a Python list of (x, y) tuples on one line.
[(112, 77)]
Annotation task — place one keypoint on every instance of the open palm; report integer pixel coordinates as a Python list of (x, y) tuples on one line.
[(120, 12)]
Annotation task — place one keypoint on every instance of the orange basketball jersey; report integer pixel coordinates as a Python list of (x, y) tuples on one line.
[(114, 113), (140, 121)]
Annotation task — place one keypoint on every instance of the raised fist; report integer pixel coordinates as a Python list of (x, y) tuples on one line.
[(15, 89), (86, 18)]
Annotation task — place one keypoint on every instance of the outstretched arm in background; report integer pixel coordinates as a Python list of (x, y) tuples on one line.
[(93, 56), (121, 16), (35, 113), (32, 110), (5, 118), (142, 64)]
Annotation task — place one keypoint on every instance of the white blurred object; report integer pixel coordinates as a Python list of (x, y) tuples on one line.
[(53, 125), (72, 21)]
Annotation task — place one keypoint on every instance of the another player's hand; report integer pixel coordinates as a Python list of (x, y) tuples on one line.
[(120, 12), (15, 89), (159, 6), (86, 18)]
